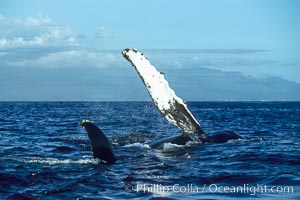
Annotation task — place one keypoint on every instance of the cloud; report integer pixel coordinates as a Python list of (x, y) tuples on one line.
[(61, 58), (208, 51), (33, 31), (222, 59), (73, 58), (41, 42), (30, 21), (255, 62), (103, 32)]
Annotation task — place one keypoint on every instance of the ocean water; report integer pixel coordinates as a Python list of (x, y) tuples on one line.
[(46, 155)]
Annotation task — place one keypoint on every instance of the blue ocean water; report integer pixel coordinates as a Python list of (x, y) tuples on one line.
[(46, 155)]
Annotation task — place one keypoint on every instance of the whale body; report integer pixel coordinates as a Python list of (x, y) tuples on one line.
[(172, 107)]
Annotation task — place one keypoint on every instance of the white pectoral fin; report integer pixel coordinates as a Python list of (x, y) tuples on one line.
[(168, 103)]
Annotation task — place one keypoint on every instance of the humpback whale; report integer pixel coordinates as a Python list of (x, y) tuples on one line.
[(172, 107)]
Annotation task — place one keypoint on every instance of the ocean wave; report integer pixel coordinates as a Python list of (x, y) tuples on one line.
[(55, 161)]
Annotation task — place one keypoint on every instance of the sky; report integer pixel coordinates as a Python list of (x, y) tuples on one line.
[(71, 50)]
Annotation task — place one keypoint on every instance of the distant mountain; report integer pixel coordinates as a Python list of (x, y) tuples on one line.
[(123, 84), (210, 84)]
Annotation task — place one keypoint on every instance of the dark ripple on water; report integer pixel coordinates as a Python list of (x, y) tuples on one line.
[(45, 154)]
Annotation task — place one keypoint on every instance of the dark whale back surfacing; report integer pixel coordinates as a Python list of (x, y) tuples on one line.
[(215, 137), (223, 136), (101, 147)]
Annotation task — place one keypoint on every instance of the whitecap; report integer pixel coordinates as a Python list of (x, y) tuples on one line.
[(170, 147), (55, 161), (137, 144)]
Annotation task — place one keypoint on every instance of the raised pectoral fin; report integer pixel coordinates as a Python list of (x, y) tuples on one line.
[(167, 102)]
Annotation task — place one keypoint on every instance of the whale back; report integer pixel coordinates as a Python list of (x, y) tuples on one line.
[(223, 136), (101, 147)]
